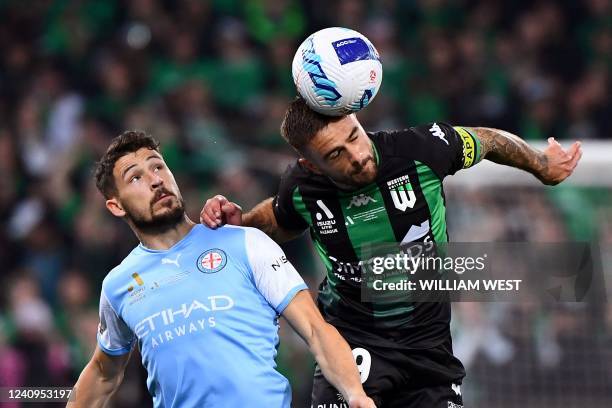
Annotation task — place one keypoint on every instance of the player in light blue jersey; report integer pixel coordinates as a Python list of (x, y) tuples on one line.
[(202, 305)]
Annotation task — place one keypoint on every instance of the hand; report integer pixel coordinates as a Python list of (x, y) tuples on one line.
[(560, 163), (361, 401), (218, 211)]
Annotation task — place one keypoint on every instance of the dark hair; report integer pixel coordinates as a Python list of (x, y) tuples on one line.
[(301, 123), (129, 141)]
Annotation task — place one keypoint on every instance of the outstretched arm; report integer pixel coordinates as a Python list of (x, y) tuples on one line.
[(331, 351), (551, 166), (99, 380)]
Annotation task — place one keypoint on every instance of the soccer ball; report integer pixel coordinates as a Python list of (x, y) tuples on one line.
[(337, 71)]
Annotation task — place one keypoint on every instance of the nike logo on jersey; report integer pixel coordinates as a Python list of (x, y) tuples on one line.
[(437, 132), (166, 261)]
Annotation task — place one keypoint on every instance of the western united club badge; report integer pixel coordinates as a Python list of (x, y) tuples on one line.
[(212, 261)]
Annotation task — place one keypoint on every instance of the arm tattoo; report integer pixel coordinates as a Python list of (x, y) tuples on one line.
[(503, 147), (262, 217)]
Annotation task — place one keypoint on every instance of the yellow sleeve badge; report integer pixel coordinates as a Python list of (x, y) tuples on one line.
[(471, 147)]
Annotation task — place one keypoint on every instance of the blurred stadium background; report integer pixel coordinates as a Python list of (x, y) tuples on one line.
[(211, 80)]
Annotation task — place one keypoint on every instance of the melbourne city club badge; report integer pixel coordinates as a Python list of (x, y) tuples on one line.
[(212, 261)]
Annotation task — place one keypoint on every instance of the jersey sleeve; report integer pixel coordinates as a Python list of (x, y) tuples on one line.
[(285, 213), (445, 148), (114, 336), (274, 276)]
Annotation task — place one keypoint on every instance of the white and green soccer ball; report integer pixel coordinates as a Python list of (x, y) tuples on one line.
[(337, 71)]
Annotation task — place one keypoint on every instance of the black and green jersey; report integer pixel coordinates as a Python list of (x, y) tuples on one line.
[(405, 204)]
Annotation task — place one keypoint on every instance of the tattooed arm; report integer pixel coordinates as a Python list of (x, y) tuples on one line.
[(219, 210), (550, 166), (262, 217)]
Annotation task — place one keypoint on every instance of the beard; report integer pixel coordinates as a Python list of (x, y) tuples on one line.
[(355, 180), (152, 223)]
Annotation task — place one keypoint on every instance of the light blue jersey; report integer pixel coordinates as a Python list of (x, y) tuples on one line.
[(205, 316)]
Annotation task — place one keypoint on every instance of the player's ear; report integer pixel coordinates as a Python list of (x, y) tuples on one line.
[(114, 206), (309, 165)]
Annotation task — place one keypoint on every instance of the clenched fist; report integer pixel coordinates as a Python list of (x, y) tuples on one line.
[(218, 211)]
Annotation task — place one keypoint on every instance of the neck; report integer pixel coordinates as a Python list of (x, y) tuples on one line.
[(162, 240), (343, 186)]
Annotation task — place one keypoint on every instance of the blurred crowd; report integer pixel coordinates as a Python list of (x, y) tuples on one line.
[(534, 353), (211, 80)]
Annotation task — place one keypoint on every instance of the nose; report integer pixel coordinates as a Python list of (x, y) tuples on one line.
[(156, 181), (355, 156)]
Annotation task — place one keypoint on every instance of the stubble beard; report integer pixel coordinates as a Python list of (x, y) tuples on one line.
[(157, 224)]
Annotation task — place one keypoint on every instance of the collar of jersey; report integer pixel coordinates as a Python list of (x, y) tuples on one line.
[(376, 156), (179, 244)]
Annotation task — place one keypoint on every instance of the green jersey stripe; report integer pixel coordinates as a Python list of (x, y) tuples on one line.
[(431, 185), (367, 221), (300, 205)]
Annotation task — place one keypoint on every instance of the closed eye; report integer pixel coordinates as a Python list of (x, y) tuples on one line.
[(334, 155)]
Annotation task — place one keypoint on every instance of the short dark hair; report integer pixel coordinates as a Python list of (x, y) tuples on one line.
[(301, 123), (127, 142)]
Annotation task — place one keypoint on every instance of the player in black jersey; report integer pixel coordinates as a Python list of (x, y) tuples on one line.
[(351, 188)]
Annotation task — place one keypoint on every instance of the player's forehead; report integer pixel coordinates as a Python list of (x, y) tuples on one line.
[(335, 133), (132, 160)]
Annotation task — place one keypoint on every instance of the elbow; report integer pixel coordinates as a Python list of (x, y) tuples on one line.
[(315, 336), (112, 378), (319, 334)]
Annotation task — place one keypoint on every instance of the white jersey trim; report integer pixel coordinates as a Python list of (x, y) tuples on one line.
[(275, 277)]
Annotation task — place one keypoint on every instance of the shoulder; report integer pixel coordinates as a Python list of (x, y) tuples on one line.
[(296, 176), (257, 248), (119, 277), (426, 135), (245, 240), (120, 270), (293, 176), (228, 238), (248, 235), (392, 143), (227, 231), (387, 137), (223, 235), (258, 245), (254, 235)]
